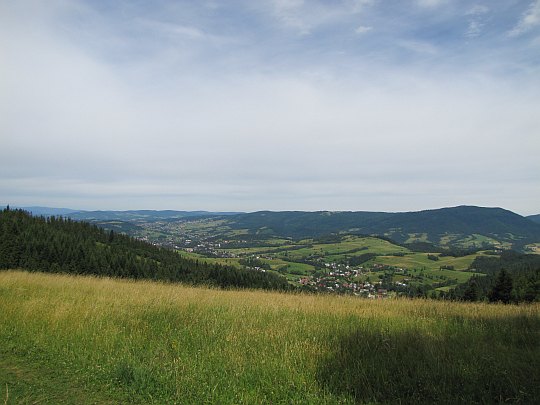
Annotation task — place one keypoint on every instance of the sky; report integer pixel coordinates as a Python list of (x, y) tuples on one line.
[(357, 105)]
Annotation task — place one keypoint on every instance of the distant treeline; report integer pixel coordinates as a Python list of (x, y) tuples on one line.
[(512, 277), (59, 245)]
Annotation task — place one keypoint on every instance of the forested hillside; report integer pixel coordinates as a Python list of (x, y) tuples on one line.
[(455, 224), (62, 245), (512, 277)]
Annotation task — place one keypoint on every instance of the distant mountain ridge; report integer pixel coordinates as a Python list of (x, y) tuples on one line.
[(461, 226), (48, 211), (110, 215), (429, 225)]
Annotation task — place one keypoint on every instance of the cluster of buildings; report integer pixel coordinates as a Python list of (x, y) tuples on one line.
[(330, 283)]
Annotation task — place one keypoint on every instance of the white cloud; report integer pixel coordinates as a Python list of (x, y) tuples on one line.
[(529, 20), (362, 29), (474, 29), (430, 3), (477, 9), (305, 17), (476, 16), (420, 47), (171, 29)]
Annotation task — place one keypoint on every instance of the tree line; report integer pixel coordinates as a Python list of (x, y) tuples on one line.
[(62, 245), (512, 277)]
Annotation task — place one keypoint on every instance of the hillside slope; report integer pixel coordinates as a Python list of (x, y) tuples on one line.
[(63, 245), (456, 222), (66, 339)]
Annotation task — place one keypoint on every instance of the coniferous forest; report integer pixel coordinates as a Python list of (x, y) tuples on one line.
[(512, 277), (59, 245)]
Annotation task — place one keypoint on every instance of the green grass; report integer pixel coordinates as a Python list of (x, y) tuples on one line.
[(472, 241), (292, 268), (226, 261), (421, 261), (417, 237), (331, 251), (66, 339)]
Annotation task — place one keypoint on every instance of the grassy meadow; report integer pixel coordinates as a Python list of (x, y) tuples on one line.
[(70, 339), (421, 261)]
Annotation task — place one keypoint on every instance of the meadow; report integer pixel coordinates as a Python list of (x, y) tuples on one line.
[(421, 261), (73, 339)]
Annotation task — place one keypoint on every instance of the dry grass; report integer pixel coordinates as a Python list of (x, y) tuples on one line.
[(159, 343)]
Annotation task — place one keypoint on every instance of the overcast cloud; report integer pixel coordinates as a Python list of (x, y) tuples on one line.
[(275, 104)]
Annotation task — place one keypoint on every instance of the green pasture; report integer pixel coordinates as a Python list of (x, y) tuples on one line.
[(421, 261), (83, 340), (226, 261), (349, 246), (417, 237)]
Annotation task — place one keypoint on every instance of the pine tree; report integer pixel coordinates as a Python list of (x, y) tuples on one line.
[(502, 290), (471, 292)]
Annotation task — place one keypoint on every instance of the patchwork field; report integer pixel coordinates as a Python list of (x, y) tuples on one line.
[(298, 259), (67, 339)]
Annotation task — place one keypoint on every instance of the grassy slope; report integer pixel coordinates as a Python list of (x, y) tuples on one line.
[(66, 339), (420, 261)]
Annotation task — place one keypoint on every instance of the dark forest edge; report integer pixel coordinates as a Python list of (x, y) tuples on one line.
[(60, 245)]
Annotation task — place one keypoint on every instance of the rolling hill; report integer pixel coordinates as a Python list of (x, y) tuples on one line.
[(457, 225)]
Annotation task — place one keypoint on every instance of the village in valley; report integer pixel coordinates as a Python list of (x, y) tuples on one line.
[(362, 266)]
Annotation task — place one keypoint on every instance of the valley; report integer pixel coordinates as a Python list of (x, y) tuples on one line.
[(361, 265), (367, 254), (349, 264)]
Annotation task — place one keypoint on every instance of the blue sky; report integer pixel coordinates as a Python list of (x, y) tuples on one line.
[(274, 104)]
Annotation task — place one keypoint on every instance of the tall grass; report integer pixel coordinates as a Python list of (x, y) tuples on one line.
[(100, 340)]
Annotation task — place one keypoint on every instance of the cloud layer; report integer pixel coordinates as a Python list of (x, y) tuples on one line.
[(270, 105)]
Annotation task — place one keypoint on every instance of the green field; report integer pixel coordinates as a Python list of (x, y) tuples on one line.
[(421, 261), (75, 340), (471, 241), (349, 246), (278, 265), (226, 261)]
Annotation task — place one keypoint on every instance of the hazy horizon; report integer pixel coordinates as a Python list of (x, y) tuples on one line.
[(225, 211), (355, 105)]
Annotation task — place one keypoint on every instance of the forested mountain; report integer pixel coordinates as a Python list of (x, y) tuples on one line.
[(458, 227), (456, 222), (534, 218), (62, 245)]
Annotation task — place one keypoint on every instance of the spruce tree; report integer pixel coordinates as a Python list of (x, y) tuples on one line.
[(502, 290), (471, 292)]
